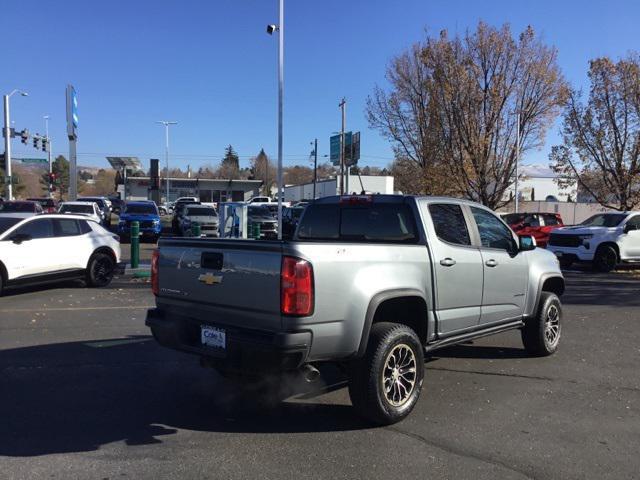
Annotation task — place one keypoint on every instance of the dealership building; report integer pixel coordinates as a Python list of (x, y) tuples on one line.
[(206, 189)]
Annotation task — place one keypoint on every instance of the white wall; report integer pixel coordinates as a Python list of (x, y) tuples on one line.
[(371, 184)]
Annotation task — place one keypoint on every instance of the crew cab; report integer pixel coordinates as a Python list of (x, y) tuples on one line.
[(537, 224), (372, 283), (145, 212), (604, 240), (52, 247)]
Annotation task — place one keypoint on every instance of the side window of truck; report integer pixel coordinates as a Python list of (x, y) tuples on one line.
[(449, 223), (493, 233)]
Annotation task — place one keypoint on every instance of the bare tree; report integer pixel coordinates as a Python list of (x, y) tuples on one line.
[(601, 148), (479, 86), (405, 117)]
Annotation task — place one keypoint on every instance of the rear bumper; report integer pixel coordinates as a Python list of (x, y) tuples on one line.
[(246, 350)]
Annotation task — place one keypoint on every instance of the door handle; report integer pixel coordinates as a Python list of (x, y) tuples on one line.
[(447, 262), (491, 263)]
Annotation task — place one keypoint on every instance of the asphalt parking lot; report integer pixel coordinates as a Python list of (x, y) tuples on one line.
[(86, 393)]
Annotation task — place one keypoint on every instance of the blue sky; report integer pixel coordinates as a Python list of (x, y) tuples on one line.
[(210, 65)]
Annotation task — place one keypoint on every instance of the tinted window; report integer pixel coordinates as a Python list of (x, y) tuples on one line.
[(7, 223), (18, 207), (376, 223), (321, 223), (531, 220), (259, 210), (550, 220), (41, 228), (493, 233), (77, 209), (513, 218), (605, 220), (635, 221), (203, 211), (66, 227), (84, 226), (148, 209), (449, 223)]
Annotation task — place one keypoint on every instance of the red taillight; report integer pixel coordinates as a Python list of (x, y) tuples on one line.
[(296, 287), (154, 272)]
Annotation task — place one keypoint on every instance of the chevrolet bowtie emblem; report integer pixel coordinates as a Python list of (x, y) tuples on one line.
[(210, 278)]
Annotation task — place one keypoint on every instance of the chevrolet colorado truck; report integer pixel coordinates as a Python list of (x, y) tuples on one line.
[(373, 283)]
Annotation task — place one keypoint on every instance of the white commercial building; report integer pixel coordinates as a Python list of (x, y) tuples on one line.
[(326, 188), (538, 183), (206, 189)]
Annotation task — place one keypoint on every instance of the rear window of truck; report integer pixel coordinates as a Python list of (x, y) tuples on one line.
[(392, 223)]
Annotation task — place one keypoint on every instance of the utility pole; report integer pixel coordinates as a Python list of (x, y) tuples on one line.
[(48, 144), (342, 105), (517, 157), (315, 166), (166, 124), (7, 148), (7, 141), (280, 107)]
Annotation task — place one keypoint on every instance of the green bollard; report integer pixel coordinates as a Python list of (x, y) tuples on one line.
[(195, 229), (135, 244), (256, 231)]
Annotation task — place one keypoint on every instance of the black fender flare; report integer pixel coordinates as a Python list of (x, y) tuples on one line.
[(375, 302)]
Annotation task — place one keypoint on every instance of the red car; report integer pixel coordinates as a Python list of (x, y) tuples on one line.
[(49, 205), (539, 225)]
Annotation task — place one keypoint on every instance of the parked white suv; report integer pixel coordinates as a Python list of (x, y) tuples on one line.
[(88, 209), (605, 240), (54, 247)]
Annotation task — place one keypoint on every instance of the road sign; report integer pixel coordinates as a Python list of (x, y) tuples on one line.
[(334, 149), (352, 153), (31, 160)]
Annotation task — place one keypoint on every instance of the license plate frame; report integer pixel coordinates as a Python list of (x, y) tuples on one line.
[(213, 337)]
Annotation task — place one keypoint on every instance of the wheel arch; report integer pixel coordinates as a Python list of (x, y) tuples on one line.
[(4, 274), (411, 302), (614, 245), (103, 249)]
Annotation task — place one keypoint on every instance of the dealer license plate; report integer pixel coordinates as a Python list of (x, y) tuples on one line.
[(213, 337)]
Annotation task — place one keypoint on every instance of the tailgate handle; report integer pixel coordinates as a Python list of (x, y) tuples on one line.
[(211, 260)]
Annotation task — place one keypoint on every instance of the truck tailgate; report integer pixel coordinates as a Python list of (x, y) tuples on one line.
[(223, 282)]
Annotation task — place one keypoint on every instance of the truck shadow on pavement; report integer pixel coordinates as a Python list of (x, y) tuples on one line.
[(76, 397)]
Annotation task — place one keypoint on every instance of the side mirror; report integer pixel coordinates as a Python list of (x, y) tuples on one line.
[(527, 242), (630, 228), (18, 238)]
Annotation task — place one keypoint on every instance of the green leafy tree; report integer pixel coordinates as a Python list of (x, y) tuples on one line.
[(60, 167), (230, 165)]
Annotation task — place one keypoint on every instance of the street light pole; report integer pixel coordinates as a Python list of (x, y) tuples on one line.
[(517, 157), (342, 105), (280, 107), (166, 124), (46, 135), (280, 29), (315, 166), (7, 141)]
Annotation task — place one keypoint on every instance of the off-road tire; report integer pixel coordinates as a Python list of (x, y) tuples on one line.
[(100, 270), (541, 333), (367, 374), (605, 259)]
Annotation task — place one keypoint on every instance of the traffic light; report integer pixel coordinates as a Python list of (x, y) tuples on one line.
[(3, 167), (36, 139), (45, 143), (24, 136)]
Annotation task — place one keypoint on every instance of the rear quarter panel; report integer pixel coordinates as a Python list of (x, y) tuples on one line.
[(347, 277)]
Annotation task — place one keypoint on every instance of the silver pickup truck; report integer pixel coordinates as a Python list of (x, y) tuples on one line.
[(373, 283)]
